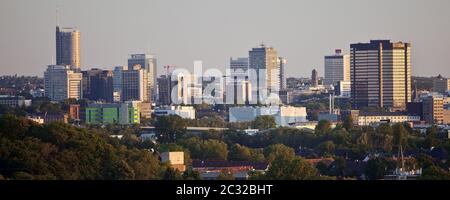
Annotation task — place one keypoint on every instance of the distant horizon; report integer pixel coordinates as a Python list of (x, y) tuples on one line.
[(179, 32)]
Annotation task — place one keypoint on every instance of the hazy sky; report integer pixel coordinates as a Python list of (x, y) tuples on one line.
[(180, 31)]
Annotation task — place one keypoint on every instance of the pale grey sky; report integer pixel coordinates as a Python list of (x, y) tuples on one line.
[(180, 31)]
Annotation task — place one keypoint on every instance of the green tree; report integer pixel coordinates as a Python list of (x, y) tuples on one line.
[(239, 153), (64, 152), (341, 138), (291, 169), (190, 174), (205, 149), (381, 141), (278, 150), (431, 138), (400, 136), (323, 127), (264, 122), (435, 173), (243, 153), (375, 169), (170, 128), (323, 168), (172, 174), (348, 123), (226, 175), (425, 160), (385, 129), (340, 165), (326, 148)]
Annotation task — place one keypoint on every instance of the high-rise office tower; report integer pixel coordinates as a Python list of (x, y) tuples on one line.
[(337, 68), (380, 73), (314, 78), (117, 82), (186, 88), (135, 85), (98, 85), (282, 65), (68, 47), (237, 86), (164, 90), (60, 83), (264, 61), (238, 68), (147, 62)]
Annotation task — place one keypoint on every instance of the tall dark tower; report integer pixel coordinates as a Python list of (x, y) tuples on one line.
[(314, 78)]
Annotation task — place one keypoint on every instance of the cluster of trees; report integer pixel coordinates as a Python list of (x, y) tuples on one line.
[(343, 143), (60, 151)]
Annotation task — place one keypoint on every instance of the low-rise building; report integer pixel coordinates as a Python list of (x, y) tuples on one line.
[(49, 118), (343, 89), (433, 108), (124, 113), (36, 119), (446, 119), (306, 126), (174, 159), (14, 101), (74, 112), (36, 93), (186, 112), (284, 115), (145, 109), (328, 117), (354, 114), (374, 118), (211, 169), (441, 85)]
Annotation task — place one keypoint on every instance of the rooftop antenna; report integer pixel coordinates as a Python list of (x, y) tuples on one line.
[(57, 9)]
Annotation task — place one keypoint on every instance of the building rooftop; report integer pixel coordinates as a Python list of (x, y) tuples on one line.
[(382, 114), (228, 164)]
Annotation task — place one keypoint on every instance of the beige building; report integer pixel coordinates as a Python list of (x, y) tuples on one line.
[(265, 63), (446, 118), (145, 109), (174, 159), (374, 118), (441, 85), (380, 74), (433, 109), (60, 83), (68, 47)]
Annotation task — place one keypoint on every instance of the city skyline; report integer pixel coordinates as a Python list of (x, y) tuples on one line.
[(178, 35)]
